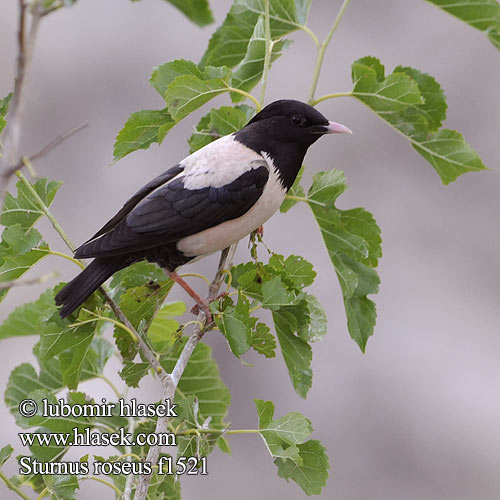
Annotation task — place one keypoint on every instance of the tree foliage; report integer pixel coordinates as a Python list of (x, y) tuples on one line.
[(238, 57)]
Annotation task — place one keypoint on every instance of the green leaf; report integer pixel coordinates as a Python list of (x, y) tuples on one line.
[(250, 69), (312, 474), (24, 209), (132, 372), (140, 273), (163, 329), (434, 106), (296, 271), (71, 343), (483, 15), (61, 487), (188, 92), (448, 152), (4, 108), (275, 295), (201, 379), (263, 340), (25, 319), (223, 445), (218, 123), (228, 45), (5, 454), (353, 241), (139, 304), (317, 326), (305, 462), (235, 324), (20, 249), (195, 444), (142, 129), (296, 191), (197, 11), (296, 352), (166, 73), (413, 104)]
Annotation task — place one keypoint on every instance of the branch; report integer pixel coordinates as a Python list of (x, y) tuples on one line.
[(322, 50), (26, 46), (225, 262), (32, 281), (43, 152)]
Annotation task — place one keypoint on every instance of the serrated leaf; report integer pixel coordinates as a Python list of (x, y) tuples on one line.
[(218, 123), (296, 353), (188, 92), (283, 434), (142, 129), (97, 356), (235, 324), (20, 249), (223, 445), (197, 11), (5, 454), (228, 45), (163, 329), (413, 104), (139, 304), (250, 69), (263, 340), (353, 242), (132, 373), (166, 73), (312, 474), (483, 15), (450, 155), (140, 273), (294, 270), (195, 444), (317, 326), (61, 487), (434, 106), (4, 108), (275, 294), (24, 209)]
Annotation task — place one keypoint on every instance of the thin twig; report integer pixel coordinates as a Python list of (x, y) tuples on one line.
[(226, 260), (26, 45), (322, 50), (32, 281), (43, 152)]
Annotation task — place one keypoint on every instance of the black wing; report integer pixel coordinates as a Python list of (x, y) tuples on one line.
[(172, 212), (136, 198)]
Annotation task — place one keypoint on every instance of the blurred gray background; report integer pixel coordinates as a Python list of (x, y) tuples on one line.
[(418, 416)]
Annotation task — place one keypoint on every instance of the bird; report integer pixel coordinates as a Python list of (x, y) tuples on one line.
[(211, 199)]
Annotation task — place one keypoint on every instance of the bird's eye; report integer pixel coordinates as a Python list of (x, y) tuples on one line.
[(297, 120)]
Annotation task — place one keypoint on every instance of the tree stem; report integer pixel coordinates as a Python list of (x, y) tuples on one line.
[(225, 261), (268, 54), (322, 50), (13, 487)]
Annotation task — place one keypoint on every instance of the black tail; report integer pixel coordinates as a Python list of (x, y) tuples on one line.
[(79, 289)]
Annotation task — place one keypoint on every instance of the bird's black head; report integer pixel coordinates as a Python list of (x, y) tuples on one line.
[(285, 129)]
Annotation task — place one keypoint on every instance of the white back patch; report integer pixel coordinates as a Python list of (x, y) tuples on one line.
[(219, 163)]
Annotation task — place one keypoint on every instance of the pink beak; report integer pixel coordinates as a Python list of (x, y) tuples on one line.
[(337, 128)]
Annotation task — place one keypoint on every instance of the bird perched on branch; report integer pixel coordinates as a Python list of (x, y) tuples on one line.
[(205, 203)]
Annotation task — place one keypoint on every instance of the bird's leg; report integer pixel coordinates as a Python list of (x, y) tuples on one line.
[(201, 303)]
